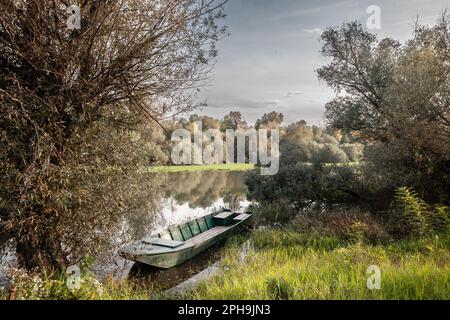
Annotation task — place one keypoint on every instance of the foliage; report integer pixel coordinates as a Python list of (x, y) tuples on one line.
[(416, 270), (273, 212), (350, 225), (330, 153), (396, 97), (29, 286), (411, 216), (204, 168), (271, 120), (234, 121), (303, 185), (72, 103), (303, 143), (378, 116), (298, 141)]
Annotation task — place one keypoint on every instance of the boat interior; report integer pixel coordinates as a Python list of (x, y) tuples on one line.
[(197, 230)]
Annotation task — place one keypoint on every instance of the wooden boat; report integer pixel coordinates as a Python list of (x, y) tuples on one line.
[(183, 242)]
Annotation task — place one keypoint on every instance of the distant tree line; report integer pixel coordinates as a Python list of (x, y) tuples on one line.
[(298, 141)]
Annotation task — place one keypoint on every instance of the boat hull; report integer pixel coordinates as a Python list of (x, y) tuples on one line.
[(175, 258), (172, 259), (164, 257)]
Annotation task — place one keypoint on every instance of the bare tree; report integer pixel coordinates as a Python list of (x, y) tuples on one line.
[(64, 94)]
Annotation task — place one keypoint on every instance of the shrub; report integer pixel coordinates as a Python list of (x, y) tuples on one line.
[(274, 212), (303, 184), (413, 217), (33, 286), (350, 225), (292, 152), (330, 153), (354, 151)]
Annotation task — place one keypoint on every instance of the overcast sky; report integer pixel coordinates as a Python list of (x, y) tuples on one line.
[(269, 61)]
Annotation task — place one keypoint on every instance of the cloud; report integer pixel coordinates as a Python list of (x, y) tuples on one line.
[(272, 103), (317, 31), (291, 94), (315, 9), (243, 104)]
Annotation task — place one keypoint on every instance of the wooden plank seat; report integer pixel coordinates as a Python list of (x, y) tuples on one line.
[(224, 215), (211, 233), (163, 242), (241, 217)]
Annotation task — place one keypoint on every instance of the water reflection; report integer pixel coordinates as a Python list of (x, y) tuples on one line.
[(188, 195), (177, 198), (185, 196), (202, 189), (166, 279)]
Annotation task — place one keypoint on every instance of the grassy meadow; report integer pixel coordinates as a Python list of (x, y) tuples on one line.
[(291, 265), (285, 265)]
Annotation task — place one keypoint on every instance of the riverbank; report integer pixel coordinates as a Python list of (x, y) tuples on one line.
[(283, 264), (203, 168), (229, 167)]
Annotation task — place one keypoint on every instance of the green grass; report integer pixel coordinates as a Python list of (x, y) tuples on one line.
[(211, 167), (289, 265), (41, 287)]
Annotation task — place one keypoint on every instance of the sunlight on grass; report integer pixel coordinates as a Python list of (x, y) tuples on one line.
[(303, 267)]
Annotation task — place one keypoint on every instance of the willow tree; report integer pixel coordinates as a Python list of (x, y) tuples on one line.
[(396, 96), (70, 96)]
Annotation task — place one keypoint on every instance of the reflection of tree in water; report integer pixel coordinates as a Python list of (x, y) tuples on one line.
[(198, 189), (141, 207), (143, 200), (132, 214), (203, 189), (232, 200)]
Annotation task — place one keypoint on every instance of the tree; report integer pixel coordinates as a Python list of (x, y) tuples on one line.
[(207, 122), (62, 92), (330, 153), (270, 120), (396, 97), (233, 120)]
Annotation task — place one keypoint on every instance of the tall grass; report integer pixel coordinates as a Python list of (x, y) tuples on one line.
[(28, 286), (289, 265)]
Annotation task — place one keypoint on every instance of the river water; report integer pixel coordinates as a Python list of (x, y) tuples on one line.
[(182, 197)]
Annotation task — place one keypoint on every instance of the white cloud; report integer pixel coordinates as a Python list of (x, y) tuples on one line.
[(272, 103), (318, 31), (291, 94)]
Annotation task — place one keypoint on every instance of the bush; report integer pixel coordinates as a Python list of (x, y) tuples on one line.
[(274, 212), (351, 225), (354, 151), (292, 152), (33, 286), (413, 217), (302, 185), (330, 153)]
